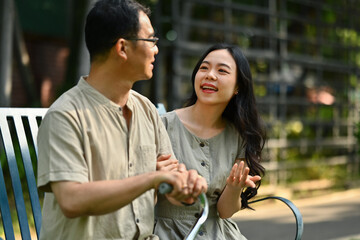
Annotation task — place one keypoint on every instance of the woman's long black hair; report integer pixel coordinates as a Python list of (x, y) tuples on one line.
[(241, 111)]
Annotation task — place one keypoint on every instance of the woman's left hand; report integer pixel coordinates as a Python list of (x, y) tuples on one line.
[(239, 177)]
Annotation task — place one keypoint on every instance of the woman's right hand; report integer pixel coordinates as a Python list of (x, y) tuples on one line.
[(165, 163)]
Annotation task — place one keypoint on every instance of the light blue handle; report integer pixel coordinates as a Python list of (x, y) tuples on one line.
[(165, 188)]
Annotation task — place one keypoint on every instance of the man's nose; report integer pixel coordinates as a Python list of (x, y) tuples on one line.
[(156, 50)]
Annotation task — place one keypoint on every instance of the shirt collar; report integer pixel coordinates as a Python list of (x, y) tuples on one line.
[(97, 96)]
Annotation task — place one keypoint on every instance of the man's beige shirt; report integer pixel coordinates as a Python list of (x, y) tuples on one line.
[(83, 138)]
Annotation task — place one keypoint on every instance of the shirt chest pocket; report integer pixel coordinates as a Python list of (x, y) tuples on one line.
[(145, 158)]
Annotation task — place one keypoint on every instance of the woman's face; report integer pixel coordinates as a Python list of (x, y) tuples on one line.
[(215, 81)]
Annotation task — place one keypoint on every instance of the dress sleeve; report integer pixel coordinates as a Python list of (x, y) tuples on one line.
[(241, 148)]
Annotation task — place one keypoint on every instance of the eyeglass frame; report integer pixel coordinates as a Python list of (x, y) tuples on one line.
[(154, 40)]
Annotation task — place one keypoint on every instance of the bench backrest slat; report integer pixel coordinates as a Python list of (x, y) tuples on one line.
[(5, 208), (10, 137), (15, 178)]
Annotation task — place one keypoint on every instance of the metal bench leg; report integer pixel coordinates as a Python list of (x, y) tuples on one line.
[(294, 209)]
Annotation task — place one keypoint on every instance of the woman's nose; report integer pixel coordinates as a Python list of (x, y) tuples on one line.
[(211, 75)]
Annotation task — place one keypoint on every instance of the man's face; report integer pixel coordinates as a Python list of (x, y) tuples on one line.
[(143, 52)]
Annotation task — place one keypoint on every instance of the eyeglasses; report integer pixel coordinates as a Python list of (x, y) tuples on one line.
[(153, 40)]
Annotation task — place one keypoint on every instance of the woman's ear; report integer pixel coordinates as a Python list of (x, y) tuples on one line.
[(121, 47), (236, 91)]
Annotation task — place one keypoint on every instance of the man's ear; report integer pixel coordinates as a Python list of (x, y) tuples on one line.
[(121, 48)]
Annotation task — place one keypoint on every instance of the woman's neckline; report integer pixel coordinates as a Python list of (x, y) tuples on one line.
[(194, 135)]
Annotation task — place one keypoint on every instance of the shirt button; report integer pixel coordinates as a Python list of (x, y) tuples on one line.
[(202, 144), (197, 215), (201, 233), (137, 220), (130, 164), (203, 164)]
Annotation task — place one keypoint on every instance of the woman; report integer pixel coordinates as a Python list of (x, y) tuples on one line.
[(219, 134)]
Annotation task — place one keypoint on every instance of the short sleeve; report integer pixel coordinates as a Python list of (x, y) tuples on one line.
[(241, 148), (61, 155)]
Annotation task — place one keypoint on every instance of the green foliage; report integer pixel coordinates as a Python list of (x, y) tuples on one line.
[(2, 159), (44, 17), (337, 174), (357, 133), (243, 41), (308, 166), (326, 112), (260, 90), (328, 16)]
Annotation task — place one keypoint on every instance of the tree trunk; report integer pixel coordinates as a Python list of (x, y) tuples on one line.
[(6, 43), (79, 59)]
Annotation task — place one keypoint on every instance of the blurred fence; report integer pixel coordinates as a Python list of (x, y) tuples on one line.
[(304, 56), (305, 62)]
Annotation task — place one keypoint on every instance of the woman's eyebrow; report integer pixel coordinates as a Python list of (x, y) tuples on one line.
[(220, 64), (224, 65)]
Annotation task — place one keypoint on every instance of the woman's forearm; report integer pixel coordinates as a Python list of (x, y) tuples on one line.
[(229, 202)]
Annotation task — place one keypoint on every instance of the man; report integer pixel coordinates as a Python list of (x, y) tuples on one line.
[(99, 142)]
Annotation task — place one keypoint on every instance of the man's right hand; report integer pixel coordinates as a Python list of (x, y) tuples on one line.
[(187, 185)]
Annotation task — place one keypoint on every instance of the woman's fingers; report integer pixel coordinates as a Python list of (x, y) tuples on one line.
[(255, 178), (200, 186), (232, 172), (191, 180), (164, 163), (169, 165), (239, 176), (245, 174), (182, 168), (163, 157), (236, 172)]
